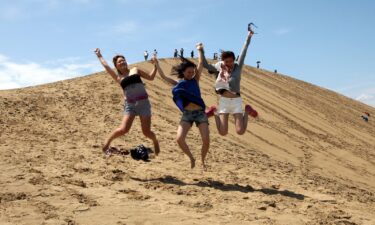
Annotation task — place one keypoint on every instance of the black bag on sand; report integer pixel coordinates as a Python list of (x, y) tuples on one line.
[(140, 153)]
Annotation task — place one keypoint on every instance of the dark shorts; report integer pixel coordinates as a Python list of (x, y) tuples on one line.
[(138, 108), (194, 116)]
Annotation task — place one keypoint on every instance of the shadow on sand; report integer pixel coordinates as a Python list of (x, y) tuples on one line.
[(222, 186)]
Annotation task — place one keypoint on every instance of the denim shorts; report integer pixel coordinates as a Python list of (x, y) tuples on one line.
[(138, 108), (194, 116)]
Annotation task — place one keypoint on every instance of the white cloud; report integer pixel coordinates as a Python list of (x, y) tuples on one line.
[(367, 98), (124, 31), (282, 31), (3, 58), (134, 27), (17, 75), (25, 9), (169, 24), (365, 95), (187, 40), (12, 13), (133, 30), (351, 88), (141, 2), (362, 90), (84, 1), (7, 83), (125, 28)]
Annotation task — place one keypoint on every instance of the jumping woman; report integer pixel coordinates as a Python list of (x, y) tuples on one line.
[(136, 98), (227, 86), (187, 96)]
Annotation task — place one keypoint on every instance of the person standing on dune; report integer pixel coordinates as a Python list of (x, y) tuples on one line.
[(187, 96), (227, 86), (136, 98)]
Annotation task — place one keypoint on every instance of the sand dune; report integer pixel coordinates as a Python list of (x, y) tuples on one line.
[(308, 159)]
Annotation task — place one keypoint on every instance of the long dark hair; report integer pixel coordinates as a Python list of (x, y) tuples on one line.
[(227, 54), (179, 69), (115, 61)]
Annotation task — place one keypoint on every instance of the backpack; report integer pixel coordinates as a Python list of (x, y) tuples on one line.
[(140, 153)]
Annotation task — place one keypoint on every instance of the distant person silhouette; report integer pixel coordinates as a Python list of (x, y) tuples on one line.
[(366, 116), (145, 54), (258, 62), (182, 52), (192, 54), (275, 71), (175, 54), (155, 52), (215, 57)]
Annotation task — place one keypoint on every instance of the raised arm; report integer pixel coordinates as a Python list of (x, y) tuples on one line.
[(242, 56), (199, 69), (106, 66), (211, 68), (161, 72), (148, 76)]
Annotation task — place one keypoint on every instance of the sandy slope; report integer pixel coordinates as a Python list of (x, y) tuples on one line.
[(308, 159)]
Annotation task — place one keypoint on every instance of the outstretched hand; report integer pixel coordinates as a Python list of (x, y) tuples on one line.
[(250, 29), (199, 46), (154, 59), (251, 33), (97, 52)]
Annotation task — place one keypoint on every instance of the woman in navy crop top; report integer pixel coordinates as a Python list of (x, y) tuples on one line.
[(187, 96)]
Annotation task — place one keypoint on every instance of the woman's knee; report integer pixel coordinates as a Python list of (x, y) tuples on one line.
[(206, 142), (180, 139), (123, 130), (206, 139), (240, 131), (148, 133), (223, 132)]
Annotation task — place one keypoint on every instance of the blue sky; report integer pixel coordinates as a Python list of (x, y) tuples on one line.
[(327, 43)]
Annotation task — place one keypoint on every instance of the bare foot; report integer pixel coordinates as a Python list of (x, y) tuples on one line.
[(105, 148), (192, 161), (157, 148), (204, 166)]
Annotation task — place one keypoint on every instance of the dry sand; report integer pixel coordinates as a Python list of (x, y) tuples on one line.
[(308, 159)]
